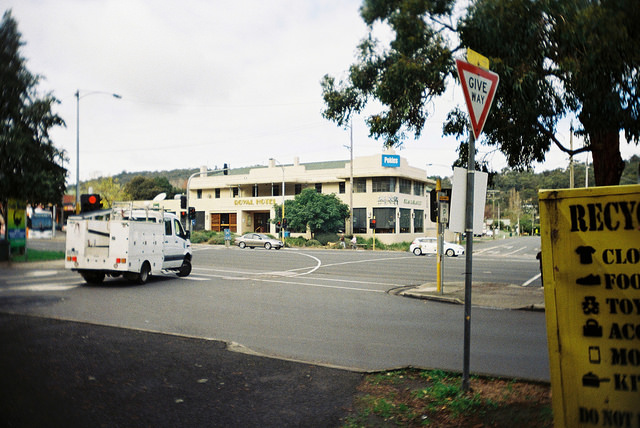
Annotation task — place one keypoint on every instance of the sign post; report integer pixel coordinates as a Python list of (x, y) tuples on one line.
[(479, 87), (591, 268)]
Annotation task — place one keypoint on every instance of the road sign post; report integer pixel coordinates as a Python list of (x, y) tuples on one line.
[(479, 86)]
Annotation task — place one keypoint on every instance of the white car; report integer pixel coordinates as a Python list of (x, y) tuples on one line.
[(421, 246)]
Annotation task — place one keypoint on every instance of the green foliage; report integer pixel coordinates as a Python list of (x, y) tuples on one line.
[(320, 212), (143, 188), (37, 256), (30, 165), (200, 236), (312, 243), (325, 237), (555, 59), (109, 189), (298, 241)]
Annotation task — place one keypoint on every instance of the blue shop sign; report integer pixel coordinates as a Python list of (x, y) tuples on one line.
[(392, 161)]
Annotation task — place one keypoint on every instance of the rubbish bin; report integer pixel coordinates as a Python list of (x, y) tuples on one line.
[(286, 233)]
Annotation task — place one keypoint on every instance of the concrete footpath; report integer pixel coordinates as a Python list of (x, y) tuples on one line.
[(487, 295)]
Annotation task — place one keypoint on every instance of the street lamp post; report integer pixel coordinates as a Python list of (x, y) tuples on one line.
[(282, 219), (78, 96)]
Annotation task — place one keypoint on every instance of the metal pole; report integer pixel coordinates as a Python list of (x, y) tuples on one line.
[(439, 245), (351, 184), (77, 207), (282, 224), (469, 263)]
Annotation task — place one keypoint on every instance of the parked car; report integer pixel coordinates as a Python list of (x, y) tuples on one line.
[(421, 246), (253, 240)]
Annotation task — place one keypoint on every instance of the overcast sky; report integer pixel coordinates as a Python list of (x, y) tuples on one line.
[(207, 82)]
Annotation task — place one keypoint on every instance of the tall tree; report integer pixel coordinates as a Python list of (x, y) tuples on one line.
[(554, 57), (146, 188), (109, 189), (319, 212), (30, 165)]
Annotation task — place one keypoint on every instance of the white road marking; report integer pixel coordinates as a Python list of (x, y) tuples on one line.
[(531, 280), (41, 287)]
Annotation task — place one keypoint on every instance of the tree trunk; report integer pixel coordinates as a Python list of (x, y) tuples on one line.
[(607, 162)]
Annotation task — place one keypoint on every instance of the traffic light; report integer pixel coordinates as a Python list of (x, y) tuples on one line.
[(277, 227), (433, 205), (284, 223), (183, 202), (433, 209), (192, 213), (90, 202), (372, 224)]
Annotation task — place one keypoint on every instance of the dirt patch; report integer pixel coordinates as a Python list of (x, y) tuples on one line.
[(434, 398)]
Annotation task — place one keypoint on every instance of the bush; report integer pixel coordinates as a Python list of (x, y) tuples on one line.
[(398, 246), (326, 237), (200, 236), (368, 244), (313, 243), (218, 239), (298, 241)]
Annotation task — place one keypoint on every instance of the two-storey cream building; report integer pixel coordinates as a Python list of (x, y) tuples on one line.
[(385, 187)]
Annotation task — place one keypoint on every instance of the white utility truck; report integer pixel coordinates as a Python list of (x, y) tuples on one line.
[(128, 241)]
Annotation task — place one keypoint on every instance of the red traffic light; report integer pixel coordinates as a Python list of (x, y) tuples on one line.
[(92, 199)]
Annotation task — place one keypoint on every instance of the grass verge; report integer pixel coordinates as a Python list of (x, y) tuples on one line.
[(37, 256), (433, 398)]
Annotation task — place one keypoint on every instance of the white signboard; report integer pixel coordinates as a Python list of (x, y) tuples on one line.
[(458, 209)]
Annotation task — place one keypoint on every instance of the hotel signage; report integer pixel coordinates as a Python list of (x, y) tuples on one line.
[(391, 161)]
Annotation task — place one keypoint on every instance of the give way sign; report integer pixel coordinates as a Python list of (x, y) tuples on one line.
[(479, 87)]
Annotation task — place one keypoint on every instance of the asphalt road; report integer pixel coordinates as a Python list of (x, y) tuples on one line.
[(331, 308)]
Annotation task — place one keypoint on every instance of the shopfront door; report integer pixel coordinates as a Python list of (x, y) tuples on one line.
[(261, 222)]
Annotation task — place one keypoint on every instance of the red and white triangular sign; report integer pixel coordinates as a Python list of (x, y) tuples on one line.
[(479, 87)]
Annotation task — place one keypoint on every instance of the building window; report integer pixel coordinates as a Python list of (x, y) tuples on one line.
[(359, 220), (384, 184), (222, 221), (234, 191), (255, 191), (360, 185), (217, 193), (405, 220), (385, 220), (341, 187), (405, 186), (418, 188), (297, 188), (199, 193), (275, 189), (319, 187), (418, 221)]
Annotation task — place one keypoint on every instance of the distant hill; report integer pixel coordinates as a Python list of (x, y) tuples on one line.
[(526, 182), (177, 177)]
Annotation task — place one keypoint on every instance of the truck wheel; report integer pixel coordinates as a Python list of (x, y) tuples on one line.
[(267, 246), (185, 269), (145, 271), (93, 277)]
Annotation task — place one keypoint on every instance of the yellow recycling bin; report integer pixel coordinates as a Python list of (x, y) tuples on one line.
[(591, 272)]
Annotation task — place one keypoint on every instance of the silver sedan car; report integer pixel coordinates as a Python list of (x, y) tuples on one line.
[(253, 240)]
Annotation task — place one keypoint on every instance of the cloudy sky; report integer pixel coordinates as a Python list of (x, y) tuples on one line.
[(207, 82)]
